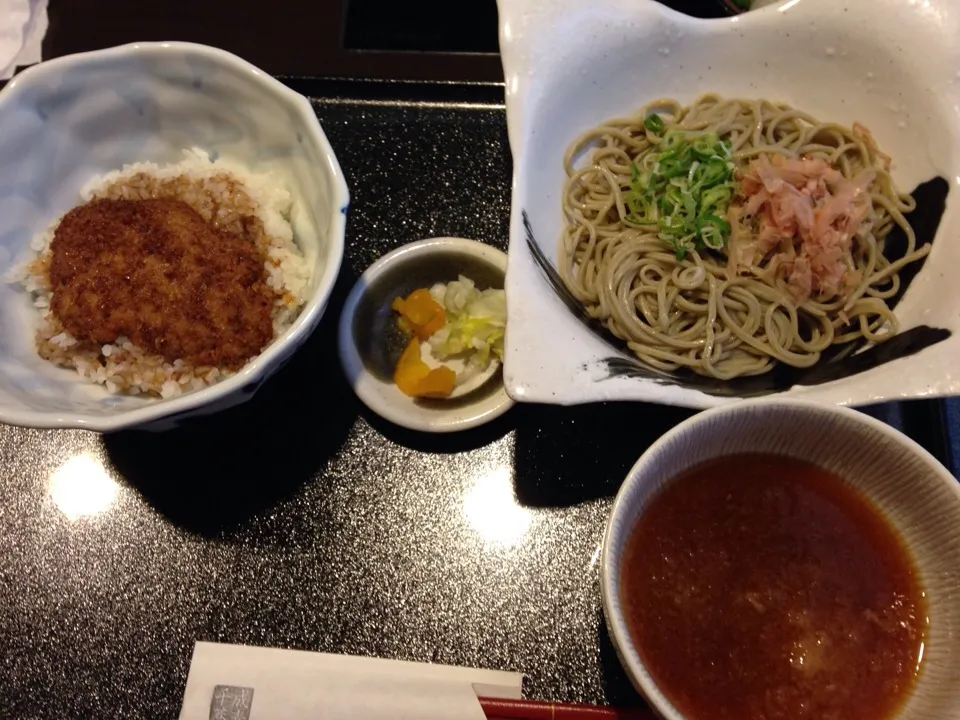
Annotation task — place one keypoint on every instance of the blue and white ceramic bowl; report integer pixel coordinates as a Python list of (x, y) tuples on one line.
[(69, 119)]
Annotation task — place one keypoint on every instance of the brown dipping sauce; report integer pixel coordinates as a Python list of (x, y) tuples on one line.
[(759, 586)]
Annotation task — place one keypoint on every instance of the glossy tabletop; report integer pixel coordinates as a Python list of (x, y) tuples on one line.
[(299, 520)]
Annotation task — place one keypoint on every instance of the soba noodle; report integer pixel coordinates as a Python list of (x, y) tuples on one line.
[(703, 312)]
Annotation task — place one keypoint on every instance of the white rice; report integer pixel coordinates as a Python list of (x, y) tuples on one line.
[(223, 193)]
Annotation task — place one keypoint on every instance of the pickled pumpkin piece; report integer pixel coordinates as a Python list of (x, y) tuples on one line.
[(415, 378), (438, 383), (411, 369), (420, 313)]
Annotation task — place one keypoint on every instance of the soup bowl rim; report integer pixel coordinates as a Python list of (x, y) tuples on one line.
[(617, 531)]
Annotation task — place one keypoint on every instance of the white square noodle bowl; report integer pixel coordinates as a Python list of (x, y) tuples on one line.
[(893, 65), (68, 119)]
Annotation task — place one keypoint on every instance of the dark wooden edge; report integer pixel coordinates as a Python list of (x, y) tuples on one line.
[(282, 37), (397, 91), (390, 91)]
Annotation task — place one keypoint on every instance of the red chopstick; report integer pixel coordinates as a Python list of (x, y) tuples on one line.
[(496, 709)]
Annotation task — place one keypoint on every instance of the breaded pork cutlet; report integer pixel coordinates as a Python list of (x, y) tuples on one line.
[(156, 272)]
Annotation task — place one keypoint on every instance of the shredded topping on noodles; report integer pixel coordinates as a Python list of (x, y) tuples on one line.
[(805, 215)]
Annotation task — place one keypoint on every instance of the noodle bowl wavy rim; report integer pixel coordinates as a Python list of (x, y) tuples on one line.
[(548, 45)]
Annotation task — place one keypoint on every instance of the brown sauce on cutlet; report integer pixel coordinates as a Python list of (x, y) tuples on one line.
[(156, 272)]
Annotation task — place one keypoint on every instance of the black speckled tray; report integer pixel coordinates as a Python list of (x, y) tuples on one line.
[(300, 520)]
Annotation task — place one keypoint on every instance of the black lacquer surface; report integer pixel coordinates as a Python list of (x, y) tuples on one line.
[(299, 520)]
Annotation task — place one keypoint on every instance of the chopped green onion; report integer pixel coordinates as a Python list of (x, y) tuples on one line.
[(712, 230), (705, 147), (716, 199), (654, 124), (683, 187)]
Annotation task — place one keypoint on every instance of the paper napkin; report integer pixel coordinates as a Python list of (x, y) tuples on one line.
[(23, 23), (238, 682)]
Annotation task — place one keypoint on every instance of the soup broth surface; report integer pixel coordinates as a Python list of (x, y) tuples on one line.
[(763, 587)]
